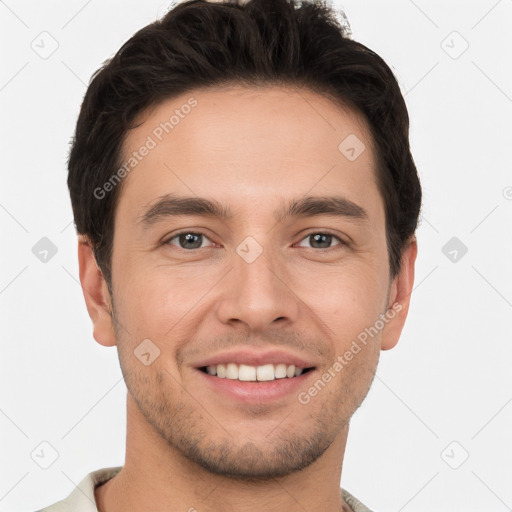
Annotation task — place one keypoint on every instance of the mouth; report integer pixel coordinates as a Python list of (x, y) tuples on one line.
[(262, 373), (264, 384), (252, 375)]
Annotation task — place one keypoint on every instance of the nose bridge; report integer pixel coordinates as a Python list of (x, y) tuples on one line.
[(257, 295)]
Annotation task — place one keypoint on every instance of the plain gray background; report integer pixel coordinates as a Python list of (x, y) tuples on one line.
[(434, 431)]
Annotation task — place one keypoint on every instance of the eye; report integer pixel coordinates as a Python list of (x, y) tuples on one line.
[(321, 240), (188, 240)]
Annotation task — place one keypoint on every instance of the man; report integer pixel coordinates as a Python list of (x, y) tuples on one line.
[(246, 203)]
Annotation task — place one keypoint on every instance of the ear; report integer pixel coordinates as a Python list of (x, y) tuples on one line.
[(399, 296), (96, 294)]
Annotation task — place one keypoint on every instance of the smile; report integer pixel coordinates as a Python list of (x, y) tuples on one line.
[(243, 372)]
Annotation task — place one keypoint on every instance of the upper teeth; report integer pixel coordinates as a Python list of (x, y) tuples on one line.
[(253, 373)]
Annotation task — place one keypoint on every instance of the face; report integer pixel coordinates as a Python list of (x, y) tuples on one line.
[(245, 239)]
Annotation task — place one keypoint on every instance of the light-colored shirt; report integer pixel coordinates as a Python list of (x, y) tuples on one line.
[(82, 498)]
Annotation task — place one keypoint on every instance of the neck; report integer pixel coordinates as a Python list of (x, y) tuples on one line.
[(156, 476)]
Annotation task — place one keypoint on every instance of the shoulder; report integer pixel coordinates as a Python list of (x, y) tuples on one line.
[(353, 502), (81, 498)]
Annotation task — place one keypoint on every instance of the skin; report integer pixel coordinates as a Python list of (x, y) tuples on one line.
[(251, 149)]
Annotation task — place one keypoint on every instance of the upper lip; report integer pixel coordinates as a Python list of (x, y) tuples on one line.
[(258, 357)]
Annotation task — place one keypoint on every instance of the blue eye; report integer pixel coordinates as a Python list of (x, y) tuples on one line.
[(321, 240), (188, 240)]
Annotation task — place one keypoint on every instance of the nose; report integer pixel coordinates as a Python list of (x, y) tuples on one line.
[(257, 294)]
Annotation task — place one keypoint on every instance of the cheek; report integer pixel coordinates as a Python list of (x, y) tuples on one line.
[(160, 304), (348, 300)]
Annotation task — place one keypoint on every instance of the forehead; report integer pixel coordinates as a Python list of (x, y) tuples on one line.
[(240, 144)]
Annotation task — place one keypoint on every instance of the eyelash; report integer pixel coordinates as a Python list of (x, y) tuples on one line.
[(342, 242)]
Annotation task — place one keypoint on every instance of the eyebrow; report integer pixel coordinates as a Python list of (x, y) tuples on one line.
[(171, 205)]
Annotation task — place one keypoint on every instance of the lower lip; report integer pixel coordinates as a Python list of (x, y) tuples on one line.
[(257, 392)]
